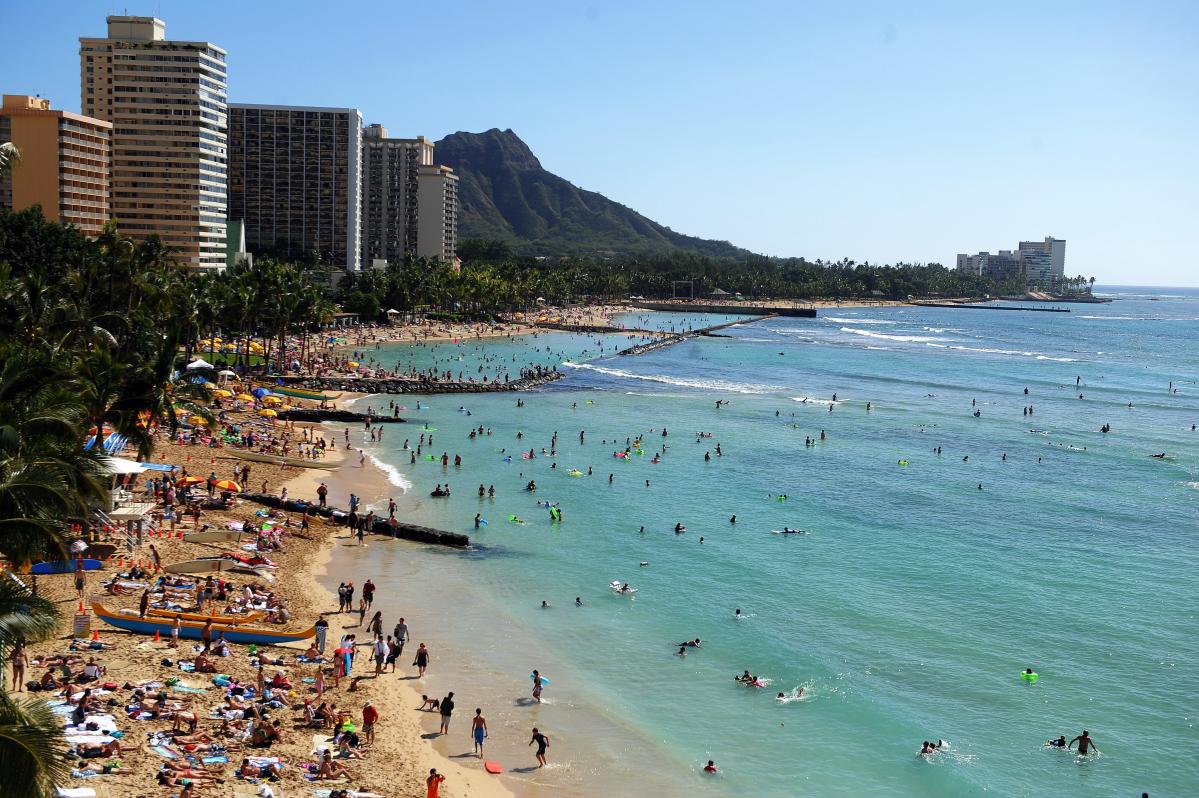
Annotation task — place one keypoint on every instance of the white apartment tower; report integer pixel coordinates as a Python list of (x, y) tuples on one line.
[(167, 104), (438, 226), (390, 194)]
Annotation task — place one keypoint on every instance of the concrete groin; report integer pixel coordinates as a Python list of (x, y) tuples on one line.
[(728, 310), (420, 534), (410, 385), (671, 339)]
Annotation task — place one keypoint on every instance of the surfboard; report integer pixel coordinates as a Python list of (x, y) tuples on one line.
[(491, 766), (544, 679), (63, 567)]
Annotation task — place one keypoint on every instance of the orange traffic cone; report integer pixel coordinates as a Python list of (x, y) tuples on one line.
[(81, 605), (95, 635), (155, 635)]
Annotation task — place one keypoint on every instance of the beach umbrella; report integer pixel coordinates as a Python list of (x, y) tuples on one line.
[(260, 392), (245, 397), (267, 413), (272, 400), (191, 481), (199, 363), (285, 407), (197, 421), (352, 364), (227, 484), (223, 393), (179, 411)]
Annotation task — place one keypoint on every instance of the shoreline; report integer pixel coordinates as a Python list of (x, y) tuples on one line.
[(395, 697)]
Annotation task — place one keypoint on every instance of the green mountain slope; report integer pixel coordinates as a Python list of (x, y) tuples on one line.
[(504, 193)]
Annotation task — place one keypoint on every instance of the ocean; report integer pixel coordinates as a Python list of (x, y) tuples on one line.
[(945, 552)]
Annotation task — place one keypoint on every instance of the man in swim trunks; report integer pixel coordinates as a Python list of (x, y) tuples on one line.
[(542, 743), (1085, 743), (710, 767), (479, 731)]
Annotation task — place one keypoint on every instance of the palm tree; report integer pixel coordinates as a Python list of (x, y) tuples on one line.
[(10, 156), (32, 747)]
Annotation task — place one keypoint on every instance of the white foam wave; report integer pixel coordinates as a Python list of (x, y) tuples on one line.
[(857, 321), (392, 473), (914, 339), (815, 400), (1057, 359), (706, 385), (992, 351)]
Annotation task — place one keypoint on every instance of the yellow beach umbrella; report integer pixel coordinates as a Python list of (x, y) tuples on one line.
[(285, 407), (223, 393), (352, 364), (245, 397), (271, 400), (266, 412), (197, 421)]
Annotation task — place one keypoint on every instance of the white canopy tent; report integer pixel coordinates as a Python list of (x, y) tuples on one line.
[(199, 363), (119, 465)]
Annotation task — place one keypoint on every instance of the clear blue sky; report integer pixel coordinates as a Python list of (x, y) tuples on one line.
[(877, 131)]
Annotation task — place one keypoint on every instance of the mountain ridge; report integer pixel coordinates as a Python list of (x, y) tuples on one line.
[(505, 193)]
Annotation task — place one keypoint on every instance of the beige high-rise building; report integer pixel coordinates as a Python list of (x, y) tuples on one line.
[(390, 194), (65, 162), (166, 101), (437, 236)]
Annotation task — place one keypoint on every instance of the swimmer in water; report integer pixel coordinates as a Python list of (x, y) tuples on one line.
[(927, 749), (737, 614), (545, 605), (745, 678), (682, 652), (1060, 742), (1085, 743)]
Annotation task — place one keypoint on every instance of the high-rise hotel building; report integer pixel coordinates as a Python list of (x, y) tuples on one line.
[(295, 178), (167, 104), (437, 236), (65, 161), (390, 194)]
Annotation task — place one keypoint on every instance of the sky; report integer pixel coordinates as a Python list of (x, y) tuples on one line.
[(876, 131)]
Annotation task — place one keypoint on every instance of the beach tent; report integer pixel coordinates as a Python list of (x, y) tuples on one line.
[(200, 363), (719, 292), (119, 465)]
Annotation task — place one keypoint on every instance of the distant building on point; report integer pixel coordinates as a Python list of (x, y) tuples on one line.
[(65, 163), (1042, 263)]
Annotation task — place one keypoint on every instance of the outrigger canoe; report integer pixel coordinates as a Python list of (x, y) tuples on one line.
[(300, 393), (224, 620), (191, 630)]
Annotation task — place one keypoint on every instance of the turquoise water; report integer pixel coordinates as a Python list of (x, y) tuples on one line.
[(908, 611)]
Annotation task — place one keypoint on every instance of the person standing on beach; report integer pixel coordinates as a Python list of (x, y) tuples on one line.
[(478, 730), (322, 494), (433, 783), (542, 743), (368, 593), (401, 635), (349, 596), (379, 651), (370, 716), (447, 709), (322, 629)]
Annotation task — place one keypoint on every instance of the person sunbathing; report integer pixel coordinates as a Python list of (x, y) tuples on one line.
[(204, 664), (190, 718), (348, 747), (267, 770), (98, 750), (332, 770)]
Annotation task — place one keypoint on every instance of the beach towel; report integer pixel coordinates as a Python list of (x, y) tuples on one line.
[(163, 751), (75, 792), (77, 739), (214, 760)]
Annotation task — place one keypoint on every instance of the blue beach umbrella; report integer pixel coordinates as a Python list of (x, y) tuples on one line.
[(260, 392)]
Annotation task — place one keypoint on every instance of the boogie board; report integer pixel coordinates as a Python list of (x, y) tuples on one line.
[(491, 766), (63, 567), (545, 680)]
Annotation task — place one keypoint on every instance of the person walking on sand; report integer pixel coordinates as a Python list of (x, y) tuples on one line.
[(422, 660), (447, 709), (478, 730), (543, 742), (400, 632), (433, 783)]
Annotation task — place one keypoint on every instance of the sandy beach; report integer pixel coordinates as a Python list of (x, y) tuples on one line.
[(395, 765)]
